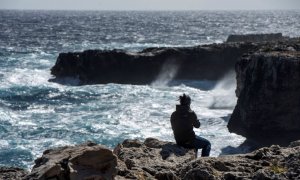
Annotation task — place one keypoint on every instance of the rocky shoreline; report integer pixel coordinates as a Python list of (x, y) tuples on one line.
[(210, 62), (154, 159), (267, 111), (205, 62)]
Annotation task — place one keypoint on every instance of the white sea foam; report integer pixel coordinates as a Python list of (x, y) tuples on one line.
[(224, 93)]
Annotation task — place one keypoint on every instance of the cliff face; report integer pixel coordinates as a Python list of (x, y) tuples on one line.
[(209, 62), (268, 84)]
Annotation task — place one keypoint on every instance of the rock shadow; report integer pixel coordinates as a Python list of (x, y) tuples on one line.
[(168, 149)]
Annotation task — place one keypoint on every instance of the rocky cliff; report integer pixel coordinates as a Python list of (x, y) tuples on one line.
[(209, 62), (268, 83), (154, 159)]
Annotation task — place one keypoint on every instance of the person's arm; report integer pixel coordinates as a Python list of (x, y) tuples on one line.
[(196, 122)]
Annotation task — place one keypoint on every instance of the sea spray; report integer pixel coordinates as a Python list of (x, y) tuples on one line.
[(224, 92), (167, 73)]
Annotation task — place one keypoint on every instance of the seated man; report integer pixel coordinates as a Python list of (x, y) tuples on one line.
[(183, 120)]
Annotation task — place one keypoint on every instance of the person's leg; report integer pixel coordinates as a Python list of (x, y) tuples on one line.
[(204, 144)]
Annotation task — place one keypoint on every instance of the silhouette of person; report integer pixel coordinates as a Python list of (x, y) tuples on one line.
[(183, 120)]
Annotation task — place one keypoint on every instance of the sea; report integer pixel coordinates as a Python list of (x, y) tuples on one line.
[(36, 114)]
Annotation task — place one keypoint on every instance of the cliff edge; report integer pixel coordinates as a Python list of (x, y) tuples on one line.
[(268, 83)]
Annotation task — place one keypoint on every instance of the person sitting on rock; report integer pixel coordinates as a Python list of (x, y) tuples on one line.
[(182, 121)]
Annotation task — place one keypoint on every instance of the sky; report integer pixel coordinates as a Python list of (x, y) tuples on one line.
[(150, 4)]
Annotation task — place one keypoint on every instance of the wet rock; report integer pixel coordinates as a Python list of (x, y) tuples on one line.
[(12, 173), (87, 161)]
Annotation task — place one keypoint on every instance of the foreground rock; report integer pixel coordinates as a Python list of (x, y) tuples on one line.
[(268, 84), (154, 159), (274, 162), (87, 161), (208, 62), (12, 173), (151, 159)]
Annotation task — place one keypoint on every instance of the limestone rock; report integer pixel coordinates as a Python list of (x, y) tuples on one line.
[(86, 161), (209, 62), (151, 159), (268, 84), (273, 162), (12, 173), (144, 160)]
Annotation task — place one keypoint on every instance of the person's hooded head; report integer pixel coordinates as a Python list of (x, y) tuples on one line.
[(185, 100)]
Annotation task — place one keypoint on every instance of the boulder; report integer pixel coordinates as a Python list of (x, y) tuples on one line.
[(268, 84), (86, 161)]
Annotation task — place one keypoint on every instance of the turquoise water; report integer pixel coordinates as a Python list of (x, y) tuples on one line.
[(36, 114)]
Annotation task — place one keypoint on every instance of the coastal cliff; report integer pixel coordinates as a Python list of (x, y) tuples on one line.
[(210, 62), (155, 159), (267, 111), (268, 103)]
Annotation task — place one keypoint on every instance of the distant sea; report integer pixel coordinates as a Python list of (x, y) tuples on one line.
[(36, 114)]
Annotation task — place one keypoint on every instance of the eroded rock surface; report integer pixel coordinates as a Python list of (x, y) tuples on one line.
[(151, 159), (86, 161), (12, 173), (154, 159)]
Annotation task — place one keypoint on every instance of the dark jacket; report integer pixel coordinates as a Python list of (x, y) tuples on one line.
[(183, 120)]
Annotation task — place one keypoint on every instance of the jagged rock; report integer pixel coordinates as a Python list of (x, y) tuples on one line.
[(255, 37), (268, 84), (151, 159), (12, 173), (274, 162), (209, 62), (86, 161), (144, 162)]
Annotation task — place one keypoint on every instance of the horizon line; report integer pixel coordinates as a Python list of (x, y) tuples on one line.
[(40, 9)]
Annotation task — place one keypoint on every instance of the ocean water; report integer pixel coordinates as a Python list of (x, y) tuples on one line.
[(36, 114)]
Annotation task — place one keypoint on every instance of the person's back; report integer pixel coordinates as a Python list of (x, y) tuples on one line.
[(183, 120)]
